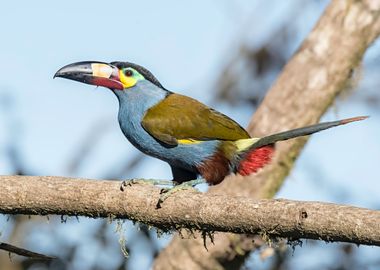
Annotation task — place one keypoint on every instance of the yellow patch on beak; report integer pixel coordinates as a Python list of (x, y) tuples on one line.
[(101, 70), (127, 81)]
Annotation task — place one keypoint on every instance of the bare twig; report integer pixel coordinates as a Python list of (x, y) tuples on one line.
[(24, 252)]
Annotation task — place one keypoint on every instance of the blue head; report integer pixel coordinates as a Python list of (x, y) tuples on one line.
[(141, 89), (122, 78), (134, 85)]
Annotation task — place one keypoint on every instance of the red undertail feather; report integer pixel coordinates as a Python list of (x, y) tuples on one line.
[(255, 160)]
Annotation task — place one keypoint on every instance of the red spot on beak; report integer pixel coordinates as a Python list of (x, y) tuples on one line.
[(109, 83)]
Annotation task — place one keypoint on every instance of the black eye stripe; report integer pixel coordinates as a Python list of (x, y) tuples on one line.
[(128, 73)]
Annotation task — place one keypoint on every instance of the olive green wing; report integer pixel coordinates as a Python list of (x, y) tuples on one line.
[(179, 117)]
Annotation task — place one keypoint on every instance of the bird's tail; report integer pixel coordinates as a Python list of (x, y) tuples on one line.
[(255, 153)]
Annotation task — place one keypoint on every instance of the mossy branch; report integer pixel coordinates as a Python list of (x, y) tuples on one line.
[(38, 195)]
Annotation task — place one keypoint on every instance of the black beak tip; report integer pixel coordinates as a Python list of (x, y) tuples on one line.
[(59, 73), (75, 70), (83, 72)]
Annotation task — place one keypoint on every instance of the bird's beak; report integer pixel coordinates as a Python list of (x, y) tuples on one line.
[(94, 73)]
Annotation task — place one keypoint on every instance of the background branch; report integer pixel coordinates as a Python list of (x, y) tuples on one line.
[(316, 74), (188, 209), (24, 252)]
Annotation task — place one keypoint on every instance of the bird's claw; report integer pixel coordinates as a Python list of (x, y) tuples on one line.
[(164, 190), (127, 183)]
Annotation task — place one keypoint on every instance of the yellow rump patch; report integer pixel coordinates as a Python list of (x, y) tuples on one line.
[(244, 144), (188, 141)]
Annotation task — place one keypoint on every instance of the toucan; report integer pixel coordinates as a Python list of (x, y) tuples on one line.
[(199, 143)]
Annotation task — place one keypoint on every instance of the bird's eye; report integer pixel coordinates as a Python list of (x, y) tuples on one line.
[(128, 73)]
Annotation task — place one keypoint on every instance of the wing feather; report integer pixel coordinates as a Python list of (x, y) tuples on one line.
[(179, 117)]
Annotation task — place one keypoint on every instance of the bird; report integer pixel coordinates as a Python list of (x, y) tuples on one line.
[(199, 143)]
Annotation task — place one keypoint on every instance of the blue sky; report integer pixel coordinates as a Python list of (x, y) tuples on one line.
[(183, 45), (48, 36)]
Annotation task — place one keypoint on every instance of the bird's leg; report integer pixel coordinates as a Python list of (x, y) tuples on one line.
[(166, 192), (131, 182)]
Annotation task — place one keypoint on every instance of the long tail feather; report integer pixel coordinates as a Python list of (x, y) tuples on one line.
[(256, 156), (286, 135)]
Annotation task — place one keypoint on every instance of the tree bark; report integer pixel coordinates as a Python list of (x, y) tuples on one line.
[(38, 195), (316, 74)]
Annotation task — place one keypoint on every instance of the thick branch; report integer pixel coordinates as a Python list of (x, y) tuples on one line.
[(189, 209), (307, 86)]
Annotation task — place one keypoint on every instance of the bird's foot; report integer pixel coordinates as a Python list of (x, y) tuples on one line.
[(166, 192), (128, 183)]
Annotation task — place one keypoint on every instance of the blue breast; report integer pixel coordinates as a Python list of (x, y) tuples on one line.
[(134, 102)]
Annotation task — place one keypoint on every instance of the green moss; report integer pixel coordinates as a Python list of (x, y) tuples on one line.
[(120, 230)]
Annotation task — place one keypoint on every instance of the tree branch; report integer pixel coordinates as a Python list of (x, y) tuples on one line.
[(37, 195), (308, 85)]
